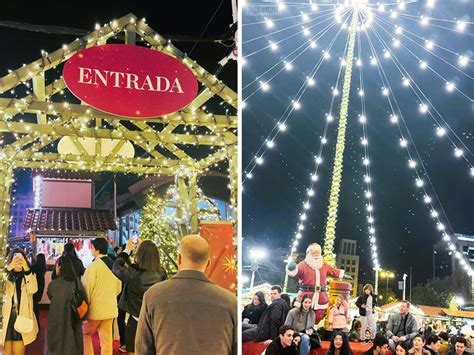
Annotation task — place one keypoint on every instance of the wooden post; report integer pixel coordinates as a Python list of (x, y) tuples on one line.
[(6, 182), (39, 94), (194, 204), (130, 34), (234, 182)]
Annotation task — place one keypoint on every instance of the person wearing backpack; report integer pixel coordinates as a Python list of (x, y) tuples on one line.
[(64, 330), (102, 288)]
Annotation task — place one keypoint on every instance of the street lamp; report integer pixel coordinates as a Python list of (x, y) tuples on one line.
[(256, 255), (387, 275)]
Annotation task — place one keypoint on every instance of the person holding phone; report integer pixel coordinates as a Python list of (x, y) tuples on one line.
[(138, 278), (21, 285)]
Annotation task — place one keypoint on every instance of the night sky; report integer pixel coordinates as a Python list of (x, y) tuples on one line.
[(272, 199), (172, 19)]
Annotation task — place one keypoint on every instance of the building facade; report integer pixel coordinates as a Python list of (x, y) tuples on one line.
[(348, 260), (20, 203)]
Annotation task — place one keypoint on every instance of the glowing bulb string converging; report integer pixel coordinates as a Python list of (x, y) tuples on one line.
[(311, 43), (366, 162), (317, 162), (428, 47), (281, 124), (273, 20), (419, 182), (424, 108), (306, 31), (281, 30)]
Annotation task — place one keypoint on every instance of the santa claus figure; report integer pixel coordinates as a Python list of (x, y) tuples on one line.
[(312, 274)]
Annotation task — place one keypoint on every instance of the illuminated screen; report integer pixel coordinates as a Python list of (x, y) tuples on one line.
[(66, 193)]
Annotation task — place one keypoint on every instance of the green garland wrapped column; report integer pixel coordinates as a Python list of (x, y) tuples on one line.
[(340, 145)]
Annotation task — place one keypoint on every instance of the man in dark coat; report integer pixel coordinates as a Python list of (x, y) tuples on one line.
[(272, 319), (188, 314), (460, 347), (401, 326)]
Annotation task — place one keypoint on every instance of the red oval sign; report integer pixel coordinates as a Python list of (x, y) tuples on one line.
[(130, 81)]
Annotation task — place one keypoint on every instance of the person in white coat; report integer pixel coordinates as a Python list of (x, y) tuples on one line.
[(20, 286)]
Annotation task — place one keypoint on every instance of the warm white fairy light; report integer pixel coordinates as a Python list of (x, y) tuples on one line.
[(335, 92), (424, 21), (329, 118), (412, 164), (296, 105), (461, 25), (318, 160), (311, 192), (311, 82), (419, 182), (313, 44), (403, 143), (288, 66), (270, 144), (386, 55), (396, 43), (361, 93), (385, 92), (282, 127), (450, 87), (458, 153), (259, 160), (423, 64), (269, 23), (463, 61), (273, 46), (326, 55), (373, 61), (429, 45), (393, 118), (423, 108), (430, 3), (264, 86), (362, 119), (406, 82)]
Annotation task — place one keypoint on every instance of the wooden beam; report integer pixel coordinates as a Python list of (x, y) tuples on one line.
[(154, 137), (206, 78), (39, 91), (200, 118), (57, 57)]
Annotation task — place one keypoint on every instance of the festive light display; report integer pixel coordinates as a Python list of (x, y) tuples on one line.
[(36, 111), (371, 20)]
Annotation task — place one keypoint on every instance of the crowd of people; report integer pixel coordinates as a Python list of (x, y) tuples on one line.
[(165, 315), (290, 330)]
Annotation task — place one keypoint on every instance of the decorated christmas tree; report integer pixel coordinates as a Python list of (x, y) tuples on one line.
[(155, 226)]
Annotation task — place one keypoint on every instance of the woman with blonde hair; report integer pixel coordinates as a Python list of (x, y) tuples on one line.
[(19, 322)]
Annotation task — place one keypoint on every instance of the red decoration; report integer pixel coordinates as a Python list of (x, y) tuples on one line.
[(130, 81), (223, 267)]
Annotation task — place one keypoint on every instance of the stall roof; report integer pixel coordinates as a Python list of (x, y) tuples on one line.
[(458, 314), (68, 221)]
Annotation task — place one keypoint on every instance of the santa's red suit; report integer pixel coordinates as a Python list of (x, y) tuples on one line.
[(313, 281)]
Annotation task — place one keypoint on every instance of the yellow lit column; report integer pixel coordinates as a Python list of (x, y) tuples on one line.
[(6, 181), (233, 183), (193, 197), (340, 145)]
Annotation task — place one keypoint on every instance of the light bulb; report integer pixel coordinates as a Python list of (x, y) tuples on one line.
[(296, 105), (450, 87), (423, 108), (423, 65), (461, 25), (458, 153), (406, 82), (362, 119), (264, 86), (311, 82), (412, 164), (270, 144), (288, 66), (373, 61), (282, 127), (403, 143), (393, 118), (259, 160), (463, 61), (429, 45)]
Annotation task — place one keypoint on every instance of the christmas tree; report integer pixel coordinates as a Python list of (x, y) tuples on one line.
[(155, 226)]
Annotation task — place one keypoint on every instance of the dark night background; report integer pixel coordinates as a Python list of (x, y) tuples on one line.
[(172, 19), (273, 199)]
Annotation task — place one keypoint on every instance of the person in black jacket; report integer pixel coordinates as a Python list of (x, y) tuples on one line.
[(433, 343), (253, 311), (284, 344), (138, 278), (366, 304), (272, 319), (39, 269), (70, 250)]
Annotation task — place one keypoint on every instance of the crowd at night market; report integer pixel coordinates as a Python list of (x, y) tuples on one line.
[(309, 324), (118, 291)]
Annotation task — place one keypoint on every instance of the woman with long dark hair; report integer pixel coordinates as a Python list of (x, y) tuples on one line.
[(138, 278), (64, 333), (39, 269), (20, 287), (253, 311), (70, 250), (339, 344), (302, 320)]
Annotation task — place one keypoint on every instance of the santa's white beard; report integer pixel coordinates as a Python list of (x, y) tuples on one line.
[(314, 263)]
